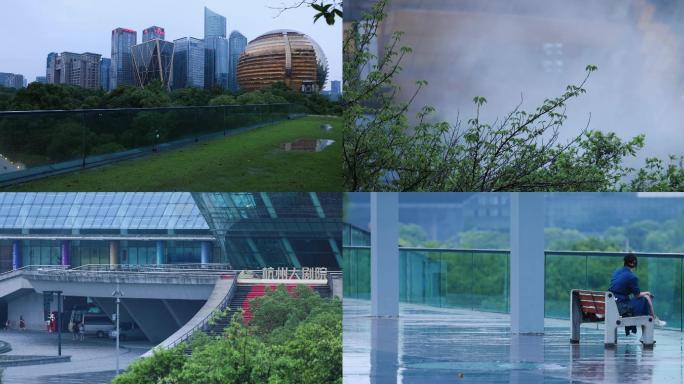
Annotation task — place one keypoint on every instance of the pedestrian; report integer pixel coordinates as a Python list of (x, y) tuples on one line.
[(74, 330), (22, 323), (7, 325), (81, 331)]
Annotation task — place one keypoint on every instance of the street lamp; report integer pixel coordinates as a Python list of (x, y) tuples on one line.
[(117, 294)]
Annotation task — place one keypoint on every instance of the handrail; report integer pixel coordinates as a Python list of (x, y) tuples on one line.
[(156, 270), (18, 271), (155, 267), (65, 111), (547, 252), (222, 305)]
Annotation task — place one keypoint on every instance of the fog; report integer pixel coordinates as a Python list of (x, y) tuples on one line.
[(503, 50)]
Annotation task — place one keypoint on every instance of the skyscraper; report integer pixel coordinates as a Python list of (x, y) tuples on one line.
[(50, 68), (80, 69), (105, 72), (216, 50), (41, 79), (238, 43), (217, 62), (152, 60), (122, 63), (153, 33), (335, 89), (11, 80), (188, 63), (214, 24)]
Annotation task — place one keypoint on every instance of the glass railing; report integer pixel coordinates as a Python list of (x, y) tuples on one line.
[(479, 279), (473, 279), (63, 139)]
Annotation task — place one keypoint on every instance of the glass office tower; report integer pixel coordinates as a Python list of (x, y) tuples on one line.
[(105, 71), (216, 55), (152, 60), (214, 24), (122, 62), (188, 63), (216, 62), (154, 33), (238, 43)]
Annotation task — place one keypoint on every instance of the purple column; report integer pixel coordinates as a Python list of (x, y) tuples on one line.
[(16, 254), (66, 251)]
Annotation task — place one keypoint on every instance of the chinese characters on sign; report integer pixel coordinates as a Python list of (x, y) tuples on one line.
[(304, 273)]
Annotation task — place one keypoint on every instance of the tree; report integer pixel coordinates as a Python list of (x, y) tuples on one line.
[(329, 11), (411, 235), (658, 175), (384, 149), (292, 338), (223, 100), (190, 97), (153, 370)]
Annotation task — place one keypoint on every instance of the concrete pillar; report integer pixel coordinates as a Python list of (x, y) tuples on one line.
[(113, 253), (66, 252), (16, 254), (160, 252), (206, 252), (384, 352), (527, 263), (385, 254)]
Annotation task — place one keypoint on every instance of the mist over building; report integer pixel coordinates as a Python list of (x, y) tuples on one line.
[(503, 50)]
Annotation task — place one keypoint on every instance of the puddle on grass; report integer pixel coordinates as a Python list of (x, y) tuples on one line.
[(7, 165), (308, 145)]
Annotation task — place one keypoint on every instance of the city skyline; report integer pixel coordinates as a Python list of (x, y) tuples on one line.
[(52, 25)]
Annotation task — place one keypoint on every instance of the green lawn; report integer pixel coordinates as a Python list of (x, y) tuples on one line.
[(251, 161)]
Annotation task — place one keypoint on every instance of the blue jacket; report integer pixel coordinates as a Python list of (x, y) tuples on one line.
[(623, 283)]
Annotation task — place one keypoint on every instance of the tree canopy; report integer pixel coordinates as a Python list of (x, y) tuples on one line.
[(38, 96), (291, 338)]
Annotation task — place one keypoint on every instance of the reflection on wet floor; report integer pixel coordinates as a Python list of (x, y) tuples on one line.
[(437, 345), (308, 145)]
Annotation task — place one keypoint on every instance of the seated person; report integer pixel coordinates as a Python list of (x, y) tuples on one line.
[(624, 283)]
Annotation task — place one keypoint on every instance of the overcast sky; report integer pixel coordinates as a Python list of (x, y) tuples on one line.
[(30, 29)]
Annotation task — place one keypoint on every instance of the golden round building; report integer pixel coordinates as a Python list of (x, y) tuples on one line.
[(283, 55)]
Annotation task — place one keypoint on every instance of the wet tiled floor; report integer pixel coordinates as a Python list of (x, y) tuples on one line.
[(436, 345)]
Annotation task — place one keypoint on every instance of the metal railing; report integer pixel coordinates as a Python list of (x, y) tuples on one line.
[(185, 267), (8, 274), (211, 270), (203, 323)]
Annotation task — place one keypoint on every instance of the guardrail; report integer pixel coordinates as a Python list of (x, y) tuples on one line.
[(674, 255), (154, 267), (26, 268), (166, 270)]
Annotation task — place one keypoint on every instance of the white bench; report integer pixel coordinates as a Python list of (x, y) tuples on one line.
[(601, 307)]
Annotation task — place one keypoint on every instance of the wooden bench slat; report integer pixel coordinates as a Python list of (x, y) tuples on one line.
[(592, 297)]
